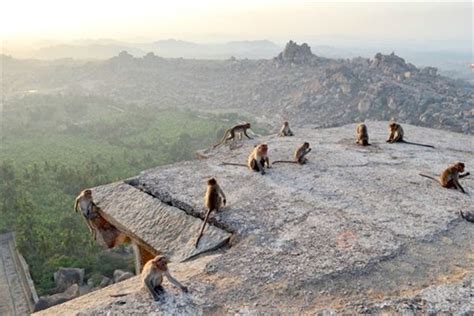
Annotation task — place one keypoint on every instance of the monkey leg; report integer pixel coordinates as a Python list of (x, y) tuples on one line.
[(254, 165), (449, 185), (302, 160), (158, 292)]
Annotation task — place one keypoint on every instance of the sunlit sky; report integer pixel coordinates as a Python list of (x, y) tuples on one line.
[(213, 20)]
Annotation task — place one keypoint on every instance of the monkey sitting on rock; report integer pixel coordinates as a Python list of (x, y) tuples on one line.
[(285, 130), (450, 177), (396, 135)]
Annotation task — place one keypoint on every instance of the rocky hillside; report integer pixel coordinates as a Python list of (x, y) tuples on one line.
[(356, 230), (296, 85)]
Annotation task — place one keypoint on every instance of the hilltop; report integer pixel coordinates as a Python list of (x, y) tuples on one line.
[(296, 85), (355, 230)]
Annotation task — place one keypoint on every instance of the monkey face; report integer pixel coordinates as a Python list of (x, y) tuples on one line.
[(160, 262), (285, 123), (459, 166), (392, 126), (263, 149), (247, 125), (306, 145), (211, 181), (88, 193)]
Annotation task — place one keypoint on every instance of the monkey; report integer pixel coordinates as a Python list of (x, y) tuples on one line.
[(231, 132), (299, 155), (86, 205), (213, 200), (450, 177), (152, 276), (396, 136), (258, 158), (362, 135), (285, 130), (111, 236)]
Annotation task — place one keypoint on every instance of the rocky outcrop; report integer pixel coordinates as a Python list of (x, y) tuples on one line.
[(355, 230), (297, 54), (296, 86), (45, 302)]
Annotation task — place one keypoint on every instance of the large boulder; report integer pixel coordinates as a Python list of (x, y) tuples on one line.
[(47, 301), (65, 277), (120, 275)]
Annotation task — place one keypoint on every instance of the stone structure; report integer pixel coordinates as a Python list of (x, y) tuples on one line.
[(17, 292)]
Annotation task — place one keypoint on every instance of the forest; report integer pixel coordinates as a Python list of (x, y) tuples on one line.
[(54, 146)]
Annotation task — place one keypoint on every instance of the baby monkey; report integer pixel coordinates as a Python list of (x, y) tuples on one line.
[(362, 135), (214, 200), (300, 155), (450, 177), (285, 130), (396, 135)]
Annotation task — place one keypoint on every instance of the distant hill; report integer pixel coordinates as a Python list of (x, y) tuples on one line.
[(296, 85), (172, 48), (88, 51)]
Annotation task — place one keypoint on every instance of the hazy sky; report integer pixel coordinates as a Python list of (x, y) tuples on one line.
[(213, 20)]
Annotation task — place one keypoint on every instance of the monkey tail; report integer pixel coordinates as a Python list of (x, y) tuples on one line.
[(429, 177), (222, 140), (120, 294), (284, 161), (418, 144), (232, 164), (202, 228)]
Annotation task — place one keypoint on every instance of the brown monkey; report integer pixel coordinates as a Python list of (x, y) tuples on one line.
[(213, 200), (285, 130), (86, 205), (396, 135), (111, 236), (450, 177), (258, 158), (299, 155), (362, 135), (231, 132), (152, 276)]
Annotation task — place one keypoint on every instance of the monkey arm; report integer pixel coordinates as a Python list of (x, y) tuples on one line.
[(150, 288), (458, 186), (464, 175), (76, 204), (260, 166), (245, 133), (267, 160), (222, 194), (175, 282), (391, 137)]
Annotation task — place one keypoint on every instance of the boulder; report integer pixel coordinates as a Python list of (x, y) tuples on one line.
[(120, 275), (47, 301), (65, 277)]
